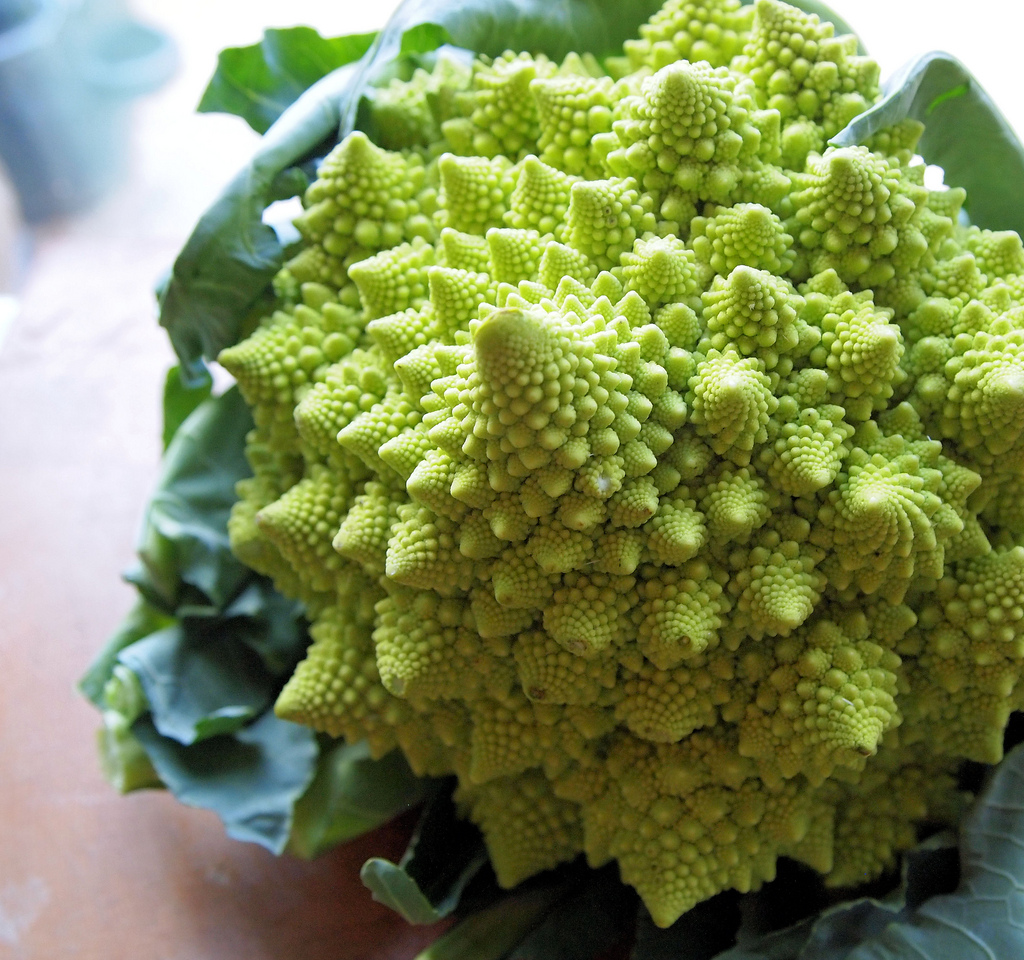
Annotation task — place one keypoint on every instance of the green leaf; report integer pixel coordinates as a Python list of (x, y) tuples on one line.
[(393, 887), (928, 870), (965, 134), (199, 683), (780, 945), (699, 934), (592, 919), (848, 924), (250, 779), (958, 91), (184, 541), (921, 919), (305, 57), (271, 624), (351, 794), (552, 27), (445, 853), (984, 918), (424, 38), (125, 764), (180, 399), (490, 933), (258, 83), (244, 85), (142, 620)]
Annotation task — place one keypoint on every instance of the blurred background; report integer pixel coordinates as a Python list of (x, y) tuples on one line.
[(106, 168)]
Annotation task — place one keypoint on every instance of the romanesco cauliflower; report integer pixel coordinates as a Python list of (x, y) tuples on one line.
[(646, 462)]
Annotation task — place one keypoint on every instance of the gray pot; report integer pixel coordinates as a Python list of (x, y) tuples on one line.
[(67, 72)]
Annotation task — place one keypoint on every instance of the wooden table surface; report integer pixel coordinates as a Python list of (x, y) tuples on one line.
[(86, 874)]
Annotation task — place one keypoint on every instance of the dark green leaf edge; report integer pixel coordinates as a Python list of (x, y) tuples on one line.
[(982, 919), (259, 82), (183, 546), (443, 856), (202, 670), (490, 933), (351, 794), (181, 399), (183, 530), (141, 621), (199, 683), (221, 275), (392, 886), (251, 779), (161, 643), (592, 918), (965, 134), (244, 85), (270, 624), (570, 913)]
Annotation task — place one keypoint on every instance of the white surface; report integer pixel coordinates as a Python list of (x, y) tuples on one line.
[(9, 307)]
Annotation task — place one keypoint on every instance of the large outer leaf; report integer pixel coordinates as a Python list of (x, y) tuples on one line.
[(590, 921), (184, 542), (199, 686), (250, 780), (965, 134), (142, 620), (351, 794), (984, 919), (258, 83), (490, 933), (181, 399), (834, 932), (207, 644), (445, 853), (271, 624)]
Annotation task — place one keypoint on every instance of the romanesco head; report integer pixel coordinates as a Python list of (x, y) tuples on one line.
[(647, 463)]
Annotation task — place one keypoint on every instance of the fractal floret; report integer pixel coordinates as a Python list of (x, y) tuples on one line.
[(648, 463)]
